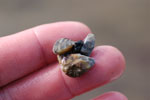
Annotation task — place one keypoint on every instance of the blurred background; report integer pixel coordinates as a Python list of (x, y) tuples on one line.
[(124, 24)]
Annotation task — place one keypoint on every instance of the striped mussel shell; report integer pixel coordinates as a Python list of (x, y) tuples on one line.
[(75, 65), (63, 45)]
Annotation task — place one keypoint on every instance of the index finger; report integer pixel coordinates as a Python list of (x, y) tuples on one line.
[(27, 51)]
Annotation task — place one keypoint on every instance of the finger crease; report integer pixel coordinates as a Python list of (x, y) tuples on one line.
[(67, 87), (40, 46)]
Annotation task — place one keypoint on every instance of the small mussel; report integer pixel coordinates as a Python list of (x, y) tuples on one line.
[(62, 46), (74, 56), (89, 43), (75, 65)]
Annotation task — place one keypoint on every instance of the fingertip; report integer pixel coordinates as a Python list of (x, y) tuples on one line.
[(111, 96), (111, 58), (70, 29)]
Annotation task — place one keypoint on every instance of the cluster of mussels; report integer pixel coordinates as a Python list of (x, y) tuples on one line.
[(74, 56)]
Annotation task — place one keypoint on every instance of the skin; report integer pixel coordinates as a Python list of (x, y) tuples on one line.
[(30, 71)]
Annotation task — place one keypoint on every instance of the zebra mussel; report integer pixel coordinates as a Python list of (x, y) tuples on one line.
[(74, 55)]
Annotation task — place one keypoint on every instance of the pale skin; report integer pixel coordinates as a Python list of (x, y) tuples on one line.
[(30, 71)]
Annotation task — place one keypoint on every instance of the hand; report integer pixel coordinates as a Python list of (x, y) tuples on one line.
[(29, 70)]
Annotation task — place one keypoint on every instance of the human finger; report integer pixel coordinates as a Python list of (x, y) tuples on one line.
[(51, 83), (27, 51)]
